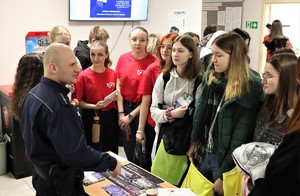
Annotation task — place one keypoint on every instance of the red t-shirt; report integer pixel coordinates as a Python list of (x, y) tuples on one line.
[(147, 84), (130, 70), (92, 87), (266, 39)]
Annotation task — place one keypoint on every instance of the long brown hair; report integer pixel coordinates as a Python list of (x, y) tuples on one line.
[(238, 71), (193, 67), (294, 123), (29, 72), (275, 106), (276, 29)]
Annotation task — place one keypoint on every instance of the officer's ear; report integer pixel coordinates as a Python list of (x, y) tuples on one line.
[(52, 67)]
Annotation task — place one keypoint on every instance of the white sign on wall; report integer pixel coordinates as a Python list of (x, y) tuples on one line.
[(177, 18)]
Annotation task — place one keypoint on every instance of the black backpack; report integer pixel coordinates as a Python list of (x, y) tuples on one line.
[(176, 135)]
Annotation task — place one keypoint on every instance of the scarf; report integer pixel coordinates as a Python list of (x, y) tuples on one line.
[(213, 105)]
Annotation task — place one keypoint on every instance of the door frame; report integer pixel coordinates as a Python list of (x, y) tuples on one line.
[(266, 14)]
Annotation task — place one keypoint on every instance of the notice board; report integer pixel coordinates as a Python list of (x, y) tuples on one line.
[(224, 13)]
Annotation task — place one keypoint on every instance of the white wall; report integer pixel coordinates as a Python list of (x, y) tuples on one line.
[(17, 18), (252, 11)]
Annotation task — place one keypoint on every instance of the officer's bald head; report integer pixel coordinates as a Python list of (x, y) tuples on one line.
[(59, 63), (53, 54)]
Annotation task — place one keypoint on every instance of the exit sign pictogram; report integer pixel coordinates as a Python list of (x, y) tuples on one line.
[(251, 24)]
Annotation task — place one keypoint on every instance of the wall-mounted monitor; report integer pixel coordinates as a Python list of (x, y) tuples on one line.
[(108, 10)]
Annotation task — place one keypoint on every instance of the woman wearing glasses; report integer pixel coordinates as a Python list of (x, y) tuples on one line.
[(281, 92)]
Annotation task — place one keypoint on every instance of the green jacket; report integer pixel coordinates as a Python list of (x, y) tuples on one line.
[(236, 120)]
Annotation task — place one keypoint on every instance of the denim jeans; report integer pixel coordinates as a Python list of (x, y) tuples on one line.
[(210, 167)]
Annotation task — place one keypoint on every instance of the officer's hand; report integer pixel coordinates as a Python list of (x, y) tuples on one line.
[(117, 170)]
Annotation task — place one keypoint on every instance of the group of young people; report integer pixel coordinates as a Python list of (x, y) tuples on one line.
[(230, 105)]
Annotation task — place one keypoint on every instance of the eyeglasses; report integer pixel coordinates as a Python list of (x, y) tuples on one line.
[(267, 75), (164, 47)]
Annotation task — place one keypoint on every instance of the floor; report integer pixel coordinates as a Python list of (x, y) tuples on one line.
[(9, 186)]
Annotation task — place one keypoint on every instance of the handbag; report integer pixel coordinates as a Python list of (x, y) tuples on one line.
[(197, 182), (176, 135), (139, 156), (169, 167), (232, 182)]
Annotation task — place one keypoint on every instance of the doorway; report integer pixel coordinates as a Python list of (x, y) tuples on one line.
[(289, 15)]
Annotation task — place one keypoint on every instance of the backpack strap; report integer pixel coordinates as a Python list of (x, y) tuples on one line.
[(197, 83), (166, 77)]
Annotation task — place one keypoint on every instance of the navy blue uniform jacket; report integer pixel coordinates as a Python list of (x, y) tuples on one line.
[(53, 133)]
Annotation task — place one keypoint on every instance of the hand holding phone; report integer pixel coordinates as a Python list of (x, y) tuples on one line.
[(112, 96)]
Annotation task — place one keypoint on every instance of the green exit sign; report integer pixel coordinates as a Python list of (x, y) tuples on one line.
[(251, 24)]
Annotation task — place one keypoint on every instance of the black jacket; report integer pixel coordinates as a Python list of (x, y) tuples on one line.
[(82, 52)]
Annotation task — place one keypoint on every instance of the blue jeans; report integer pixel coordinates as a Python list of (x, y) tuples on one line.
[(210, 167)]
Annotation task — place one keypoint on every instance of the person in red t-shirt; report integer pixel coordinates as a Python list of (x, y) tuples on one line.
[(129, 69), (92, 86), (145, 132), (275, 31)]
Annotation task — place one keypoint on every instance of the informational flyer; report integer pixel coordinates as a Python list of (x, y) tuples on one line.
[(133, 179)]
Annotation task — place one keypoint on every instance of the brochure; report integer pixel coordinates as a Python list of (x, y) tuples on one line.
[(184, 100), (92, 177)]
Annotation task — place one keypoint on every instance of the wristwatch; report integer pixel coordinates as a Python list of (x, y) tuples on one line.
[(130, 117)]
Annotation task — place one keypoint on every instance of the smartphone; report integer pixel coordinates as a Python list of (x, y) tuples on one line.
[(111, 95)]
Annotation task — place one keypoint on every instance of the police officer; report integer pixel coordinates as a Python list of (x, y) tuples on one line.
[(53, 133)]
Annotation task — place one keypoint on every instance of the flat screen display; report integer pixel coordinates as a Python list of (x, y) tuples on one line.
[(108, 10)]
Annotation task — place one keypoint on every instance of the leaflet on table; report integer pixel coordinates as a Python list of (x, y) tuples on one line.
[(174, 192), (91, 177), (184, 100)]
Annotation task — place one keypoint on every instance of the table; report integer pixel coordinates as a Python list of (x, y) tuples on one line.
[(96, 188)]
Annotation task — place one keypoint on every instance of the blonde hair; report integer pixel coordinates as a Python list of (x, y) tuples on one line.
[(238, 70), (98, 33), (153, 42), (58, 30)]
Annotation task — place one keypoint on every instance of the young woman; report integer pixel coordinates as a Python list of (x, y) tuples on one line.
[(184, 68), (130, 69), (281, 95), (226, 109), (82, 50), (29, 73), (145, 132), (92, 86), (282, 176), (60, 34), (275, 30), (153, 44)]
